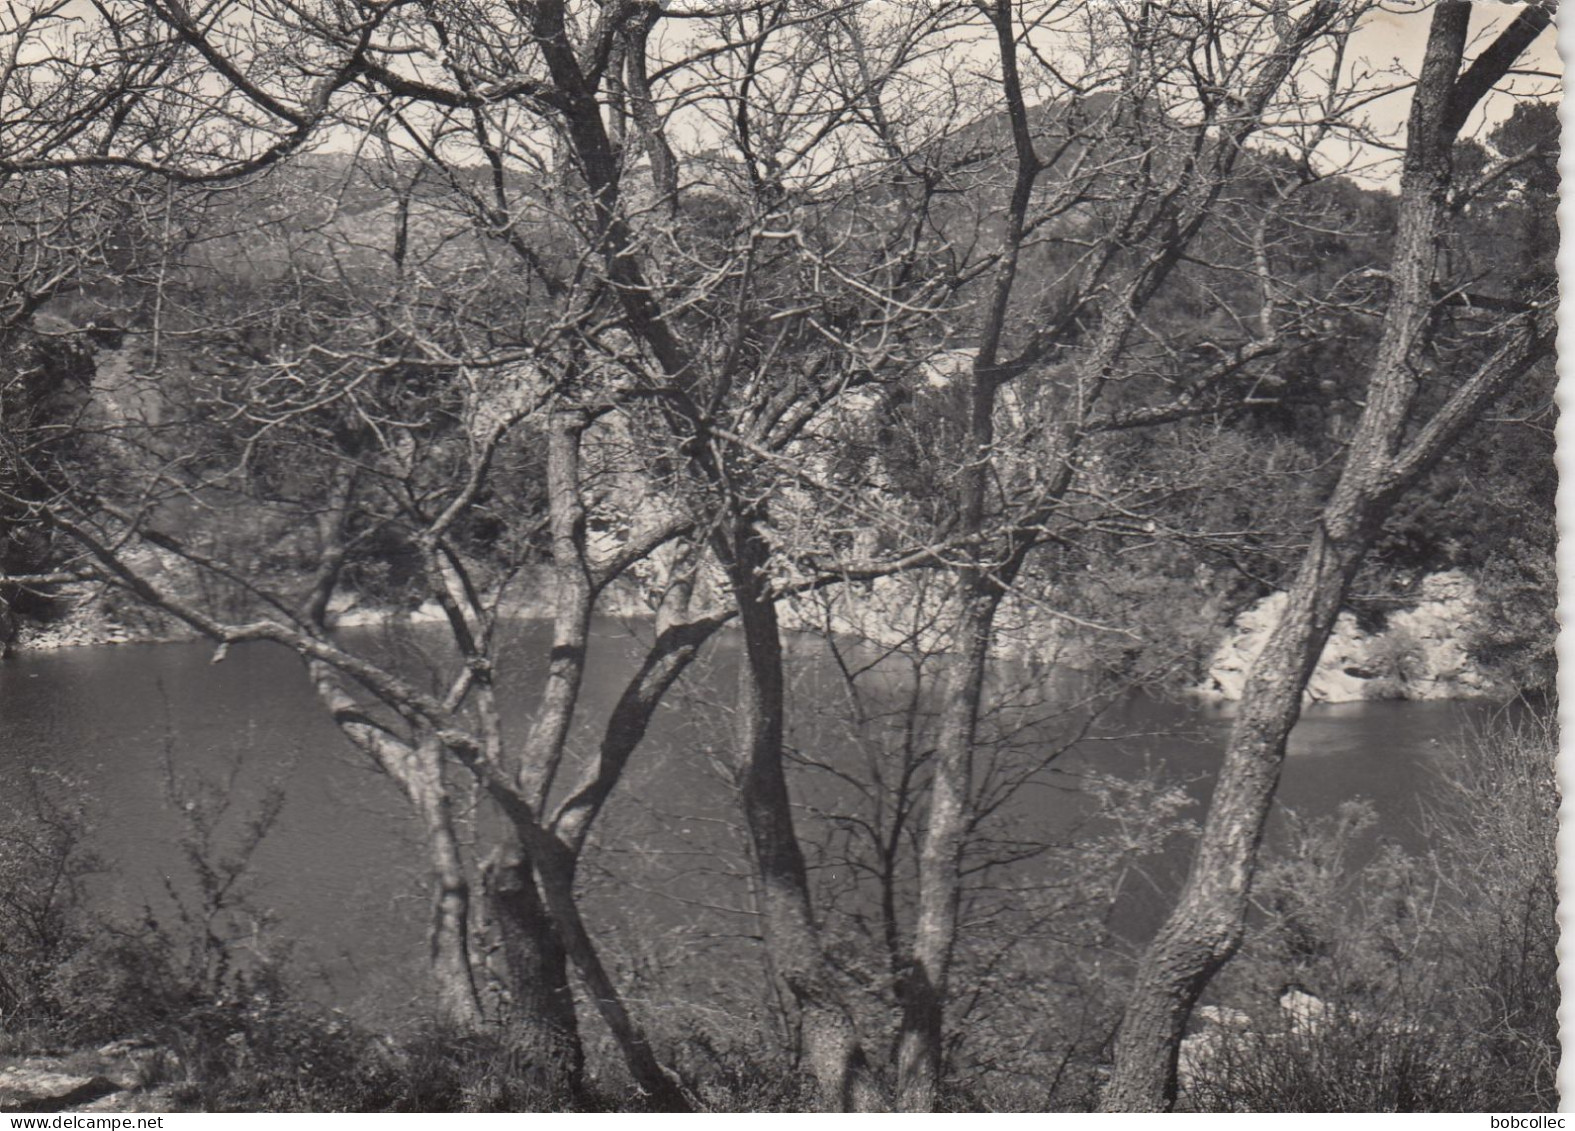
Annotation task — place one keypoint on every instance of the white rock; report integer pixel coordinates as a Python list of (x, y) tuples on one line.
[(1224, 1016), (26, 1087), (1421, 653)]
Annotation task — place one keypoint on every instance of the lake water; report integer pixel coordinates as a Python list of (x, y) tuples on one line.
[(342, 874)]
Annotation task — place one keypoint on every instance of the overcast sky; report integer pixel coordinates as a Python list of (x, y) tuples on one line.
[(1398, 32)]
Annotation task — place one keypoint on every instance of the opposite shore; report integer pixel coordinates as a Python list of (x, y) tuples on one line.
[(1420, 652)]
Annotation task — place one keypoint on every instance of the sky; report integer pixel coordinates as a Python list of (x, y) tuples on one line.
[(1392, 36), (1397, 32)]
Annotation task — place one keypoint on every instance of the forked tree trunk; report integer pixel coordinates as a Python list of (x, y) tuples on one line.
[(555, 867), (835, 1051), (1206, 927)]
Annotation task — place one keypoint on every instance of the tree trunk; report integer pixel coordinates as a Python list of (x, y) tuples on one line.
[(831, 1041), (555, 868), (574, 598), (448, 938), (532, 879), (418, 769), (543, 1024), (923, 986), (1206, 926)]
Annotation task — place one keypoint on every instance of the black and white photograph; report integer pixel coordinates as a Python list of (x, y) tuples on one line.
[(744, 556)]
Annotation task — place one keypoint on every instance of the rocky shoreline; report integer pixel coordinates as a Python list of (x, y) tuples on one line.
[(1421, 652)]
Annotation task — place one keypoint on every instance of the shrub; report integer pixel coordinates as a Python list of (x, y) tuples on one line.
[(1494, 824), (1414, 983), (44, 863)]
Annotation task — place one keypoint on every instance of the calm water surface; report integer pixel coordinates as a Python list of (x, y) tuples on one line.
[(342, 873)]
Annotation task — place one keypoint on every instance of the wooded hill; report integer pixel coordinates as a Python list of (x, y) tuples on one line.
[(1213, 502)]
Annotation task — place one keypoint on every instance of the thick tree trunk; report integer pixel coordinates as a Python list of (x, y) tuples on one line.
[(532, 881), (543, 1024), (831, 1041), (553, 864), (542, 1021), (1206, 926), (418, 770)]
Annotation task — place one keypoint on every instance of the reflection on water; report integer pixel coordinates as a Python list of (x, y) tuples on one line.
[(340, 872)]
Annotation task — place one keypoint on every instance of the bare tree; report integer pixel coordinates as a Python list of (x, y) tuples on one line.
[(542, 126), (1389, 450), (1099, 192), (369, 459)]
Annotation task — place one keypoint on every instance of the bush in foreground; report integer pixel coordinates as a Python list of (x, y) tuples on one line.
[(1403, 983)]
